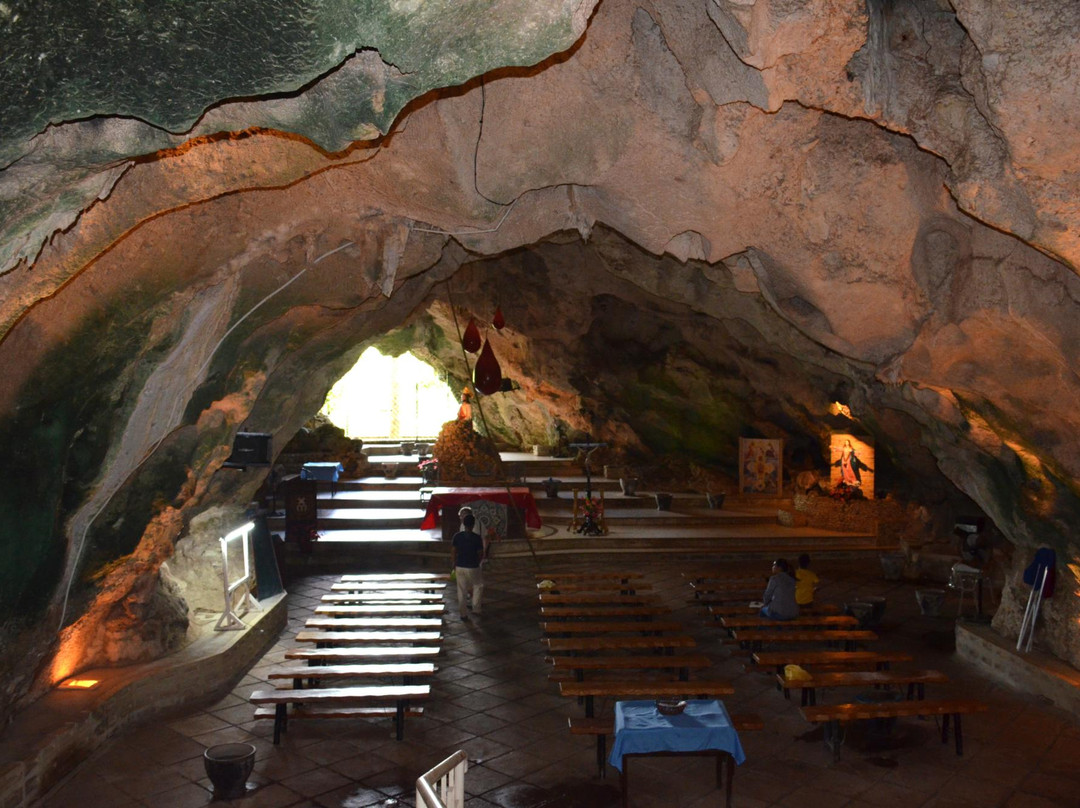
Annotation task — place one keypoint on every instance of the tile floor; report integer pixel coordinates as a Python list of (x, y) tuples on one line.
[(491, 697)]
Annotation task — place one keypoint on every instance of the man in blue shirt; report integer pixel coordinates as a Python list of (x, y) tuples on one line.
[(466, 553)]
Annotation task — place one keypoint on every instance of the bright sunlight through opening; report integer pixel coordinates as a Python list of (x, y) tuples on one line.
[(384, 397)]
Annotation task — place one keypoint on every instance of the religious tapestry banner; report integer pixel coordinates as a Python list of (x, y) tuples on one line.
[(761, 466)]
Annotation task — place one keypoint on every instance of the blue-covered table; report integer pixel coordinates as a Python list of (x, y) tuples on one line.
[(703, 728), (321, 471)]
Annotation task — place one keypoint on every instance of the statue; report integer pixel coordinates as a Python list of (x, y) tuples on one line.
[(464, 412)]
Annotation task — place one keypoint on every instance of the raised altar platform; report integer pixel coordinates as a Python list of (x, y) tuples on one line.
[(491, 506)]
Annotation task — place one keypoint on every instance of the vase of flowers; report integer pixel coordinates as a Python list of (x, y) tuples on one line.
[(429, 470)]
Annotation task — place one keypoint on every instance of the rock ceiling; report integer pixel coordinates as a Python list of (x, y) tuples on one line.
[(702, 219)]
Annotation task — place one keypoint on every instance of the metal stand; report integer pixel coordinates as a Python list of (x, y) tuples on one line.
[(1031, 613)]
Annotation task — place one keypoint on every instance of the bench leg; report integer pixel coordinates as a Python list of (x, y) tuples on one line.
[(958, 735), (589, 706), (832, 738), (729, 762), (601, 755), (399, 720), (624, 781), (280, 719)]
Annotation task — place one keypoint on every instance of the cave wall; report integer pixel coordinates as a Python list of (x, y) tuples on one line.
[(700, 220)]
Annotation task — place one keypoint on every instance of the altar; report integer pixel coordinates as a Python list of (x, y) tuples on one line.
[(491, 506)]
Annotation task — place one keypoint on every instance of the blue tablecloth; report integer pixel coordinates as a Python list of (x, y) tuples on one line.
[(704, 724), (321, 471)]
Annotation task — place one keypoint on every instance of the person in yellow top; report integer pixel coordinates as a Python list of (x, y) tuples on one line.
[(806, 581)]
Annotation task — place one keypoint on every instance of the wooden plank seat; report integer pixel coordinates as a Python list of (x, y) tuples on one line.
[(811, 621), (387, 586), (713, 587), (590, 627), (729, 596), (629, 587), (323, 638), (382, 597), (374, 623), (567, 612), (916, 682), (587, 576), (381, 609), (340, 702), (642, 688), (360, 653), (575, 598), (602, 727), (681, 664), (406, 671), (668, 642), (396, 576), (814, 609), (880, 659), (754, 638), (833, 715)]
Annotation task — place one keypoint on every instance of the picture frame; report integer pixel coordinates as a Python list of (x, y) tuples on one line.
[(761, 466)]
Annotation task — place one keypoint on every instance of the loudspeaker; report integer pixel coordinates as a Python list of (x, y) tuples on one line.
[(249, 449)]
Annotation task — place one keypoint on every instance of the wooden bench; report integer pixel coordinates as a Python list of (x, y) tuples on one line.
[(915, 680), (576, 598), (756, 584), (746, 611), (602, 727), (753, 638), (387, 586), (729, 596), (682, 664), (340, 702), (811, 621), (599, 586), (382, 609), (587, 576), (404, 670), (374, 623), (610, 626), (879, 659), (382, 597), (397, 576), (558, 645), (349, 653), (832, 715), (324, 638), (644, 689), (567, 612)]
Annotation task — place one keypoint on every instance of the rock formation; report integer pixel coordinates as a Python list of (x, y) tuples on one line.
[(702, 220)]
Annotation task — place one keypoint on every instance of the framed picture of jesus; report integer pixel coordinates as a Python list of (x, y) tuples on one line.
[(761, 466)]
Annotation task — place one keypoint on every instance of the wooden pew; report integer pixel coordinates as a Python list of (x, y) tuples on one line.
[(565, 612), (629, 587), (610, 626), (381, 609), (810, 621), (747, 611), (323, 638), (562, 645), (589, 689), (778, 659), (340, 702), (587, 576), (754, 638), (832, 715), (374, 623), (915, 680), (730, 596), (682, 664), (382, 597), (406, 671), (387, 586), (362, 653), (397, 576), (583, 598)]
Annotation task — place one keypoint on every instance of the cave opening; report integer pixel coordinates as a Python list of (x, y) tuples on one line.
[(388, 397)]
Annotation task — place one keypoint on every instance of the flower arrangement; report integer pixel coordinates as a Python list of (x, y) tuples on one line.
[(846, 493), (431, 462), (590, 507)]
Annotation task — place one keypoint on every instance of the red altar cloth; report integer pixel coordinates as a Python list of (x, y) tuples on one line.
[(456, 497)]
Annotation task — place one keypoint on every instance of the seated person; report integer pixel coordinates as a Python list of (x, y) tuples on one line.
[(778, 602), (806, 582)]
